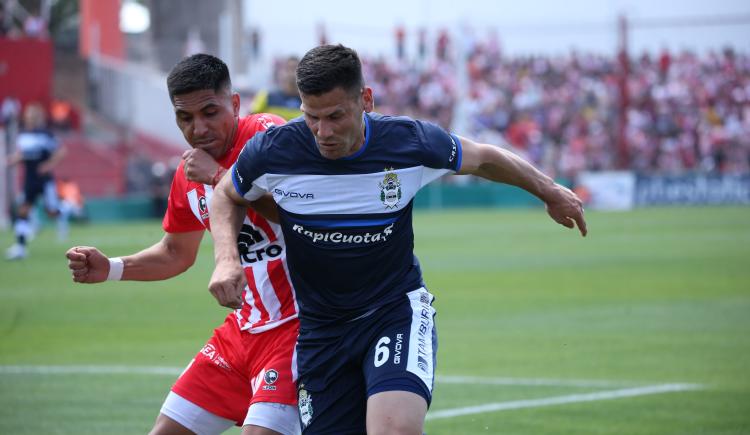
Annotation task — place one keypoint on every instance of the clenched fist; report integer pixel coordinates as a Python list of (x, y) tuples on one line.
[(200, 166), (228, 284), (87, 264)]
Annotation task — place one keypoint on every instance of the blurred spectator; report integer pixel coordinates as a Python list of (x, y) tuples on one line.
[(161, 181), (35, 26), (400, 34), (9, 110), (442, 45), (284, 100), (4, 21), (63, 115)]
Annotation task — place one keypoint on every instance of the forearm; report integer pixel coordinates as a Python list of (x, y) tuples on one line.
[(156, 263), (227, 214), (506, 167)]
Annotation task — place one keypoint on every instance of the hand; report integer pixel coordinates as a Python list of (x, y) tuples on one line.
[(199, 166), (228, 284), (565, 208), (87, 264)]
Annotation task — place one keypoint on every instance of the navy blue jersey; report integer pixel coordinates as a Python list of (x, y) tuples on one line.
[(347, 222), (36, 147)]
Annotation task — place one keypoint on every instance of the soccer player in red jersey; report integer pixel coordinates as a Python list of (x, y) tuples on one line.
[(245, 373)]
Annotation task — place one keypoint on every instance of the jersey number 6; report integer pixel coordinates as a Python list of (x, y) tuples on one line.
[(381, 351)]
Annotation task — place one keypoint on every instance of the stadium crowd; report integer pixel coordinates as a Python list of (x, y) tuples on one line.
[(685, 112)]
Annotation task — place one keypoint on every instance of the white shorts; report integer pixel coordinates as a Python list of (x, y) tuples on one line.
[(275, 416)]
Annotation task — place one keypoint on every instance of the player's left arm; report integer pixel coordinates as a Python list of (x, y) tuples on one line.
[(496, 164)]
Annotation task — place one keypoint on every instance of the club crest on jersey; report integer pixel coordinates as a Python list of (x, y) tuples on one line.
[(271, 376), (390, 189), (304, 402), (203, 206)]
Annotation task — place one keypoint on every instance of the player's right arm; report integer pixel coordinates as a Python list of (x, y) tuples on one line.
[(171, 256), (228, 280), (234, 193)]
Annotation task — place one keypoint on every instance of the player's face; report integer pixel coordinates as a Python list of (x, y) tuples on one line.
[(33, 116), (335, 119), (208, 119)]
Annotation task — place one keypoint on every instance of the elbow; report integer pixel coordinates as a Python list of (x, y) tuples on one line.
[(186, 264), (182, 262)]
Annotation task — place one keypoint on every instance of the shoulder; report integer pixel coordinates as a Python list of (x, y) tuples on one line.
[(404, 129), (390, 123), (278, 146), (258, 122), (264, 121), (292, 131)]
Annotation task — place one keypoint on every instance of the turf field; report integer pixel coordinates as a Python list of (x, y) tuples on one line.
[(641, 328)]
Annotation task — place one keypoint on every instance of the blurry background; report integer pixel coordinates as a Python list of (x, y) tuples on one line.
[(642, 107), (635, 102)]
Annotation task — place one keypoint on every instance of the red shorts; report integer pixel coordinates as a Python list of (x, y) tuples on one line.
[(236, 369)]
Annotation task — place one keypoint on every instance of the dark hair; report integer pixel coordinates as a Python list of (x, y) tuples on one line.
[(327, 67), (196, 73)]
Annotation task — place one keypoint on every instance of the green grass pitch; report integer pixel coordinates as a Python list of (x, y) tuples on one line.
[(538, 317)]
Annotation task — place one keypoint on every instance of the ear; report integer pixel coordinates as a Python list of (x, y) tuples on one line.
[(367, 99), (236, 104)]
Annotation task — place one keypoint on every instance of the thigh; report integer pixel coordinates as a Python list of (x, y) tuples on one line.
[(275, 417), (271, 363), (181, 416), (402, 352), (214, 380), (331, 392), (339, 407), (32, 189), (396, 412)]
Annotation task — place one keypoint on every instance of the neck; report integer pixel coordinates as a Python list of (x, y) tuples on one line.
[(230, 140)]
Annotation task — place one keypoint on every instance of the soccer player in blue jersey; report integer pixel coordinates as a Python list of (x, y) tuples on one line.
[(39, 152), (344, 179)]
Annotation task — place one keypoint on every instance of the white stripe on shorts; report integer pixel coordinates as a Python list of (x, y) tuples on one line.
[(421, 347)]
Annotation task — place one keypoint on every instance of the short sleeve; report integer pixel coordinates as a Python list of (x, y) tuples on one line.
[(264, 121), (179, 218), (442, 150), (248, 170)]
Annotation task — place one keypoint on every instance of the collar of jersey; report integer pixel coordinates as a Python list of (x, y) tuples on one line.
[(367, 139)]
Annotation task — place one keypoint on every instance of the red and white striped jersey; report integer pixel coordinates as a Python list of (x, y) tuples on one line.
[(269, 298)]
